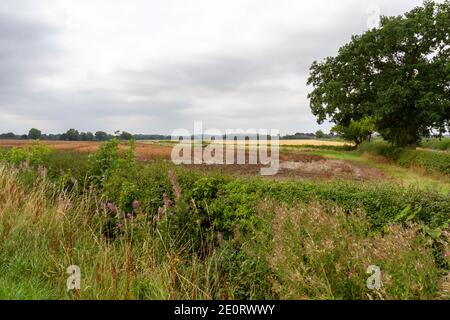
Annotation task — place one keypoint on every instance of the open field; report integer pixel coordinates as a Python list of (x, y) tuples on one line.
[(293, 164), (144, 151), (298, 160), (300, 142), (314, 143)]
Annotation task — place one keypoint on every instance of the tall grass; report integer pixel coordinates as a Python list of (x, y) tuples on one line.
[(312, 251), (323, 252), (41, 236)]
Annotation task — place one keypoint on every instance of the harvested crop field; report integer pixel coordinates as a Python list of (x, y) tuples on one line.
[(144, 152), (308, 142), (292, 165), (293, 142)]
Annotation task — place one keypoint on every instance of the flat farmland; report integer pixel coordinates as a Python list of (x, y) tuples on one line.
[(300, 142), (144, 151), (299, 159), (293, 164)]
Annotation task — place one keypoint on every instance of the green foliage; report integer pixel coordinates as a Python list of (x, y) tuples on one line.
[(432, 161), (73, 163), (125, 182), (126, 136), (357, 131), (104, 161), (322, 252), (320, 134), (435, 143), (34, 134), (220, 204), (180, 233), (101, 136), (247, 269), (71, 135), (37, 154), (215, 239), (86, 136), (397, 73)]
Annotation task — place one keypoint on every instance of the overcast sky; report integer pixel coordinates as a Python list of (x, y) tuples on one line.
[(153, 66)]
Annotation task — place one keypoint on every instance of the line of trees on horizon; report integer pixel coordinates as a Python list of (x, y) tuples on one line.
[(75, 135)]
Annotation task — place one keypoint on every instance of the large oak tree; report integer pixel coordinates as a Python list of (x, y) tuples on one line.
[(398, 74)]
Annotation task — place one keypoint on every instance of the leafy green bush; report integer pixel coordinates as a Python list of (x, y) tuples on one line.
[(233, 201), (147, 184), (35, 155), (228, 205), (104, 161), (430, 160), (109, 159)]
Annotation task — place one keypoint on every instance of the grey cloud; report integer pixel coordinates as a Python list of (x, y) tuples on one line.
[(248, 84), (228, 71), (26, 50), (252, 86)]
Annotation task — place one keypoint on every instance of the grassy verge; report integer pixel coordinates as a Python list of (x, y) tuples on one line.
[(406, 176), (436, 144)]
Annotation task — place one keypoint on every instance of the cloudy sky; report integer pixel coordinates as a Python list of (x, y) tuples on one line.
[(148, 66)]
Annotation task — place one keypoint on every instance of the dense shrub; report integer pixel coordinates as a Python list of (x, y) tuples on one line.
[(233, 201), (432, 161), (104, 162), (35, 155)]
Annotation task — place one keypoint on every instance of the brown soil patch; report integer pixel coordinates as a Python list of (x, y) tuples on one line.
[(320, 169)]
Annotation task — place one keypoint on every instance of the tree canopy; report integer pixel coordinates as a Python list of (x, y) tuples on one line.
[(397, 74), (357, 131), (71, 135), (34, 134), (125, 136)]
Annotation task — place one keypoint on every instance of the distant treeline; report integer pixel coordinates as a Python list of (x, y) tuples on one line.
[(75, 135), (318, 135)]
